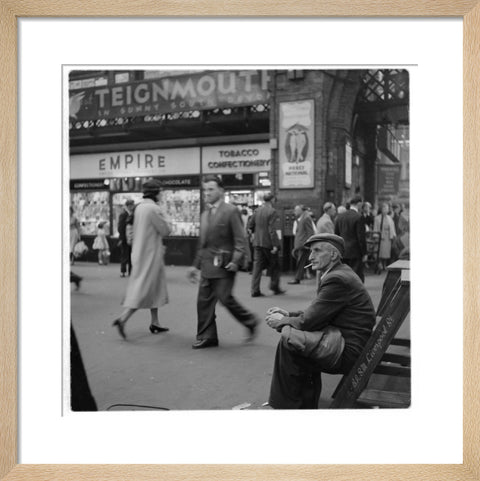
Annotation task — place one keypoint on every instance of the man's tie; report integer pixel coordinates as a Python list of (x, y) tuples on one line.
[(211, 212)]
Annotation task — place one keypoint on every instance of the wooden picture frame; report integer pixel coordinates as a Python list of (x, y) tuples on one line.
[(11, 10)]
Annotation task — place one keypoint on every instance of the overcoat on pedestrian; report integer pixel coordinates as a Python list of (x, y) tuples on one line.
[(304, 230), (387, 234), (147, 285), (351, 228)]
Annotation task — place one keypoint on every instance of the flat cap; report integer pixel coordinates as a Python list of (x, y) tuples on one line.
[(332, 239)]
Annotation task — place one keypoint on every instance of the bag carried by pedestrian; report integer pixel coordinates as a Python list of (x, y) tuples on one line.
[(80, 249)]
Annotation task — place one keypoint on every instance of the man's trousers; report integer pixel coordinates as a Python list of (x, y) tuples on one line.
[(209, 292), (263, 259)]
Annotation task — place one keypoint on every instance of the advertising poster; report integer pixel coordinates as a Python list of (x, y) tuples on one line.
[(296, 144)]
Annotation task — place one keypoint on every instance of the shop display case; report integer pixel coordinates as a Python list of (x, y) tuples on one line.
[(90, 208), (245, 197), (183, 208)]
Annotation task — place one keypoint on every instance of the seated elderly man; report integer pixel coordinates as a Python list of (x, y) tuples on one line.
[(328, 336)]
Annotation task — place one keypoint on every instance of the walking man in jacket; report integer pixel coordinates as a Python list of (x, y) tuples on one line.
[(220, 254), (351, 228), (126, 248), (266, 245), (304, 230), (328, 336)]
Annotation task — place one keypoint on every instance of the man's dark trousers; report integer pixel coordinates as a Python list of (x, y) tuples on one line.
[(302, 260), (209, 292), (296, 382), (357, 265), (263, 259), (126, 259)]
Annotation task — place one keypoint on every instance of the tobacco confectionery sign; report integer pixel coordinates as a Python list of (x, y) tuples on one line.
[(296, 145), (191, 91), (237, 158)]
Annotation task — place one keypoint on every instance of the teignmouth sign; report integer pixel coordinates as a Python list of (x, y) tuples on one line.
[(193, 91)]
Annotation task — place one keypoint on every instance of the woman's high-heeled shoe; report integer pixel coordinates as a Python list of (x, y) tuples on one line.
[(154, 329), (120, 326)]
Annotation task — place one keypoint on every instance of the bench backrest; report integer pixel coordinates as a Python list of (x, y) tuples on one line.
[(395, 312)]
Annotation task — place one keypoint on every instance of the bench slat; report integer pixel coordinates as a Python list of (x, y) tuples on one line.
[(384, 399)]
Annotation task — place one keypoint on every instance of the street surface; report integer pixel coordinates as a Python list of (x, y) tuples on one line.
[(163, 370)]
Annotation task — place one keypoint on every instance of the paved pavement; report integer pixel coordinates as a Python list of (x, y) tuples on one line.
[(163, 370)]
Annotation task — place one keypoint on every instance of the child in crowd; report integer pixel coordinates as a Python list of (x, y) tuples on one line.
[(101, 243)]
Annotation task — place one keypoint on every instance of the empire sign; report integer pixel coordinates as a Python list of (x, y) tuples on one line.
[(206, 90)]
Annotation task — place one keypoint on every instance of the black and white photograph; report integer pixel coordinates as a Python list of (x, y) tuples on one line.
[(239, 238)]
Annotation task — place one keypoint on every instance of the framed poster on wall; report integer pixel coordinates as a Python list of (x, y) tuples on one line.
[(296, 133)]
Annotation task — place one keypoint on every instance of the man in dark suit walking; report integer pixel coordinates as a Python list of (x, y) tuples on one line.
[(221, 251), (351, 228), (305, 229), (266, 245)]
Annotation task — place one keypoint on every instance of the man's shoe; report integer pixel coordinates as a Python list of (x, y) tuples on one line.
[(258, 294), (278, 292), (203, 343), (294, 282)]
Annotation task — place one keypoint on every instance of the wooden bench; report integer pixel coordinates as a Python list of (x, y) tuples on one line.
[(393, 275), (351, 391)]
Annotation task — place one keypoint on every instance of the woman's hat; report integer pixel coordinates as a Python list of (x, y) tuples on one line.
[(151, 187)]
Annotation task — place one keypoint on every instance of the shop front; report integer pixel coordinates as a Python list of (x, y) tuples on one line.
[(102, 182), (245, 170)]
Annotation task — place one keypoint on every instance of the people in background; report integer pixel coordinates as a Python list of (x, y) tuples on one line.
[(327, 337), (367, 216), (265, 226), (100, 243), (125, 247), (303, 231), (74, 233), (325, 223), (351, 228), (384, 224)]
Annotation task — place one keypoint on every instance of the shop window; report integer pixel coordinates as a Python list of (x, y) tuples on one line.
[(183, 208), (90, 208)]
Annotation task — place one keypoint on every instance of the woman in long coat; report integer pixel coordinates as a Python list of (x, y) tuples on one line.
[(384, 224), (147, 285)]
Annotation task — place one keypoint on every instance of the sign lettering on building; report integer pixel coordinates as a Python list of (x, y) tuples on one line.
[(238, 158), (296, 145), (199, 91), (388, 179), (132, 163)]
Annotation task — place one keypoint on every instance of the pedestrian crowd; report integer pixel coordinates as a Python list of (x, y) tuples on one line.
[(327, 336)]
